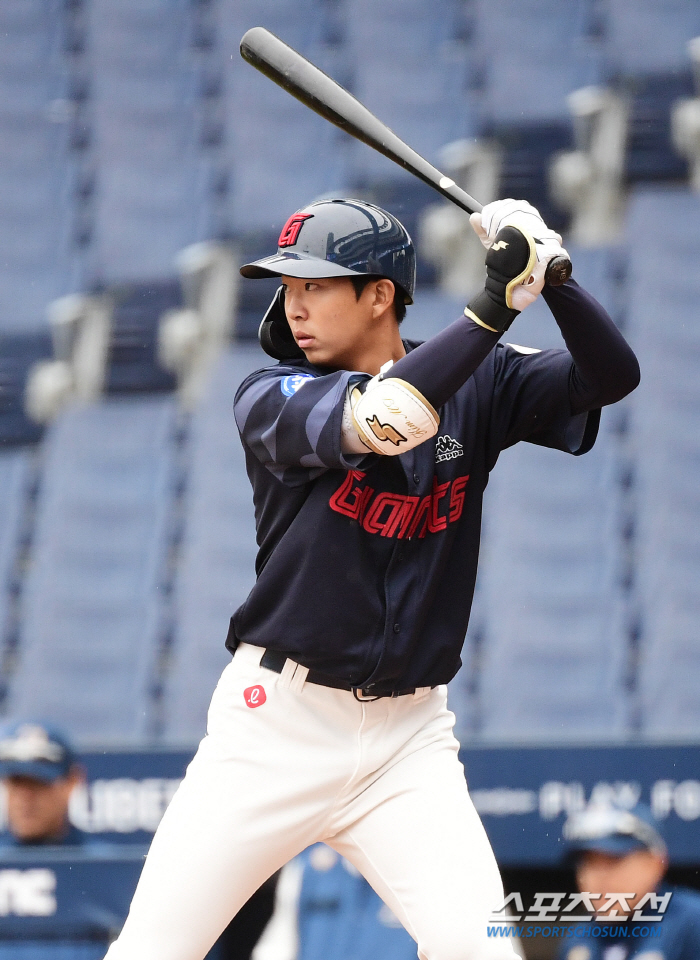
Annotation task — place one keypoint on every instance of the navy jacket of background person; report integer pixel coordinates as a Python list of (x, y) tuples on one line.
[(616, 834), (676, 937)]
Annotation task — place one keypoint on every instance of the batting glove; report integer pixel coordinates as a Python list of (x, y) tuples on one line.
[(517, 213), (510, 263)]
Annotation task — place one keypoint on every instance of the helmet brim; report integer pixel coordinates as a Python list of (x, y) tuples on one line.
[(303, 268), (295, 265)]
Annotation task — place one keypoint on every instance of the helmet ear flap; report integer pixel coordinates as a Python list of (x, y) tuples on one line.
[(275, 335)]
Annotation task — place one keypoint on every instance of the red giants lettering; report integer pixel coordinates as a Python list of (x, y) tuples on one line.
[(290, 231), (398, 515)]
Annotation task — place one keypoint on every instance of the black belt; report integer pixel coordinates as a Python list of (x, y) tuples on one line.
[(275, 660)]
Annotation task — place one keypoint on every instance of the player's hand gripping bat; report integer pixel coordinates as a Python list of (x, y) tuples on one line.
[(318, 91)]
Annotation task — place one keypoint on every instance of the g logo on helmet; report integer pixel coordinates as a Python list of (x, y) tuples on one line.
[(290, 231)]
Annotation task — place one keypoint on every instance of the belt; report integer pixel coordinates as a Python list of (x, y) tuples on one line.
[(275, 660)]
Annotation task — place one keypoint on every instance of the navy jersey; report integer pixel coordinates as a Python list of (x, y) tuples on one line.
[(676, 937), (367, 564)]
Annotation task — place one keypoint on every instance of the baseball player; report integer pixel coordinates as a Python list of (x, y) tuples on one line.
[(368, 456)]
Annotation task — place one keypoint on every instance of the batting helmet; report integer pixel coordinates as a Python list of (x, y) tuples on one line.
[(333, 238)]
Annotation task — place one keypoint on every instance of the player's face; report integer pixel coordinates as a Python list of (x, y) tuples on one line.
[(640, 872), (331, 324)]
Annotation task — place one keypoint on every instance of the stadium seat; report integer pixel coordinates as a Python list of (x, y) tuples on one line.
[(18, 354), (664, 237), (555, 644), (649, 36), (217, 568), (37, 263), (133, 361), (92, 607), (529, 80), (151, 198), (14, 475)]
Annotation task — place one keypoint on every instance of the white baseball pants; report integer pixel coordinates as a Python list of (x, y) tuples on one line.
[(287, 763)]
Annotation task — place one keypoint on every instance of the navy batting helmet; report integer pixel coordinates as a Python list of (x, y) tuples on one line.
[(333, 238)]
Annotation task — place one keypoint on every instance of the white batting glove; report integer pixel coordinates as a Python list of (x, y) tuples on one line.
[(521, 214)]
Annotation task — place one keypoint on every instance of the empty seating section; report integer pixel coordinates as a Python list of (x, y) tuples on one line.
[(528, 78), (649, 36), (405, 66), (217, 567), (91, 601), (35, 171), (664, 242), (555, 642), (150, 178), (14, 466), (280, 154)]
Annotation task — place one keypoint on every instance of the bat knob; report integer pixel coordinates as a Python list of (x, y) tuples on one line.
[(558, 271)]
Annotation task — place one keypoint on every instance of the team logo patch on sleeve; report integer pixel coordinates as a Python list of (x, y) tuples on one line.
[(290, 385), (447, 449)]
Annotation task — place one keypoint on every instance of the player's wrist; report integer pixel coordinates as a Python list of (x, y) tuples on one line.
[(509, 262)]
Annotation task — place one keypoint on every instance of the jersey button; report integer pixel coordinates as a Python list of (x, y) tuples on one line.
[(416, 478), (397, 628)]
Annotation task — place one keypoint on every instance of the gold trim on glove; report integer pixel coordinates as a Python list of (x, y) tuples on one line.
[(528, 269)]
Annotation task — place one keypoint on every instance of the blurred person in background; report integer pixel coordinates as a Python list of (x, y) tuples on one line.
[(617, 851), (39, 772)]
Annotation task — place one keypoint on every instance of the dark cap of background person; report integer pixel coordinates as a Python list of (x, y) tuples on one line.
[(606, 828), (34, 749)]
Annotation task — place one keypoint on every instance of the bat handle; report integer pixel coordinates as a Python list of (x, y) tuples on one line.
[(558, 271)]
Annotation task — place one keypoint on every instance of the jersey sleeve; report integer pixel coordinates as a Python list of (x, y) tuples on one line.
[(531, 401), (291, 420)]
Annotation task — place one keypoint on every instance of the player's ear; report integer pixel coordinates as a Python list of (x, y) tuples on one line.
[(384, 291)]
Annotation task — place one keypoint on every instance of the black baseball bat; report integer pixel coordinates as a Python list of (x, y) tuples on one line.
[(287, 68)]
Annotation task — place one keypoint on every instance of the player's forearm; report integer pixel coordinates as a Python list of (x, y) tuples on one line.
[(605, 367), (439, 367)]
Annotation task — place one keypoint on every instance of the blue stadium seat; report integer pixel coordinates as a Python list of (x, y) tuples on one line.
[(92, 608), (649, 36), (151, 198), (14, 469), (18, 354), (36, 260), (430, 313), (419, 91), (217, 569), (293, 156), (529, 80), (664, 244), (555, 641)]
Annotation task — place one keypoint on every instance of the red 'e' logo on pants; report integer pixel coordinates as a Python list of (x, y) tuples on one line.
[(255, 696)]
